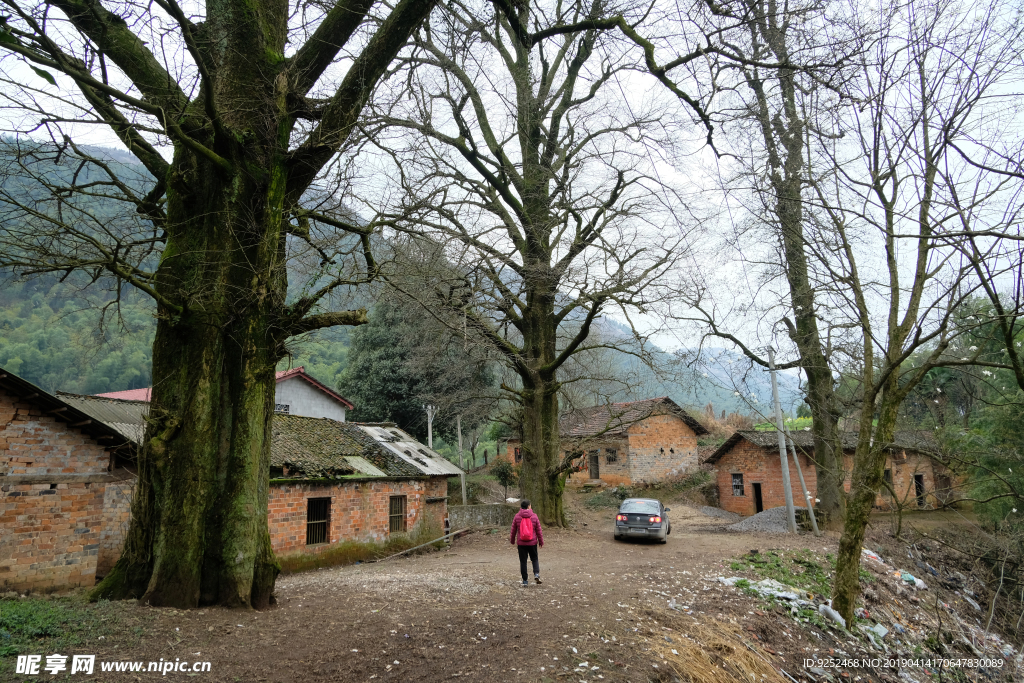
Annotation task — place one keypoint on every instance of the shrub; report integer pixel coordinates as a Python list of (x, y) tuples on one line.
[(505, 473)]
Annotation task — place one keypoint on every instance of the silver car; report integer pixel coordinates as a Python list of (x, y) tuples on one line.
[(642, 518)]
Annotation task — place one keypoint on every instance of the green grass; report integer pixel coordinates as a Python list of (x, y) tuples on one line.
[(35, 625), (794, 424), (351, 552), (802, 569)]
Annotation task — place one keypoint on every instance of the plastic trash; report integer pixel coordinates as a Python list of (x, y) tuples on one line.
[(972, 603), (920, 585), (908, 577), (871, 555), (879, 630), (835, 616)]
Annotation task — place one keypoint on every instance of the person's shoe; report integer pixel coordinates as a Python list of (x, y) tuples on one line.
[(537, 579), (526, 583)]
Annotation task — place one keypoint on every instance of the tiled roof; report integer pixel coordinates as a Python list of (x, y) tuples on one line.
[(907, 440), (616, 418), (307, 446), (300, 372), (320, 447)]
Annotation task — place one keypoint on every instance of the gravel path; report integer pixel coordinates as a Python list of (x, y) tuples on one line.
[(720, 513), (772, 521)]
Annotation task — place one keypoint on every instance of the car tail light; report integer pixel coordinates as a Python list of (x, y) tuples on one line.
[(654, 520), (621, 518)]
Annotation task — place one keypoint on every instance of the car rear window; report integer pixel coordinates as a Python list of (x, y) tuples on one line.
[(640, 506)]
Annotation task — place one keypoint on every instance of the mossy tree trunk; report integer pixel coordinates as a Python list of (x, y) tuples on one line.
[(222, 210)]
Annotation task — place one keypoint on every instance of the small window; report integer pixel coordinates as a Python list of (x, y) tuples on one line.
[(737, 484), (888, 480), (611, 455), (282, 408), (318, 515), (396, 514), (519, 454)]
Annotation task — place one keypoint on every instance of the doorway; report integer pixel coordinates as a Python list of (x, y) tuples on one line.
[(758, 501), (594, 466), (919, 489)]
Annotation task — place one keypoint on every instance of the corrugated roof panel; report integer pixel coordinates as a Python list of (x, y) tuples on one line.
[(364, 466)]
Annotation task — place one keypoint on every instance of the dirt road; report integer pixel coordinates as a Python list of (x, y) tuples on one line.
[(461, 614)]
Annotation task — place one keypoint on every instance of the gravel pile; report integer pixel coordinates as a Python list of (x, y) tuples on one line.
[(720, 513), (772, 521)]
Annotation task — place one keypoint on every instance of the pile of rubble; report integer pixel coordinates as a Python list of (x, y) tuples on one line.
[(910, 626)]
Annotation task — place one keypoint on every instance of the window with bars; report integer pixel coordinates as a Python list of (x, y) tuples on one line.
[(396, 514), (282, 408), (737, 484), (318, 516), (611, 455)]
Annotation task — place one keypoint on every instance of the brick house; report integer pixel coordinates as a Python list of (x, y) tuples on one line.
[(637, 442), (749, 471), (297, 393), (63, 475), (66, 479)]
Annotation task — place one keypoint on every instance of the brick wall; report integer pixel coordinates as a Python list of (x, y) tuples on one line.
[(614, 473), (760, 466), (117, 501), (49, 533), (903, 466), (647, 439), (358, 512)]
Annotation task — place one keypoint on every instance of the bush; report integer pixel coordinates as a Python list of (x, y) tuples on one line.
[(506, 474)]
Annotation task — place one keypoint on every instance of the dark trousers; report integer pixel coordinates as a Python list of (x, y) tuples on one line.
[(530, 550)]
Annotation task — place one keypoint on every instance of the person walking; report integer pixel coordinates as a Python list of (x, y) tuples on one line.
[(527, 534)]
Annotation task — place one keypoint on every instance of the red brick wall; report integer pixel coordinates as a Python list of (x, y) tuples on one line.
[(903, 465), (647, 438), (763, 466), (49, 533), (117, 501), (613, 473), (359, 511)]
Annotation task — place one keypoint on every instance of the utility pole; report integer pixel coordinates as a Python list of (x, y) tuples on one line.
[(431, 412), (803, 484), (462, 475), (779, 426)]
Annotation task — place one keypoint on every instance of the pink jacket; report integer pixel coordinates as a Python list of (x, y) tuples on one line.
[(538, 534)]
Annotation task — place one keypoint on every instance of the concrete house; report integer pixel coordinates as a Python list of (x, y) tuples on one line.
[(67, 477), (297, 393), (624, 443), (749, 471)]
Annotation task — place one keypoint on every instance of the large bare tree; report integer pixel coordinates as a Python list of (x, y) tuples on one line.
[(892, 201), (526, 161), (235, 109)]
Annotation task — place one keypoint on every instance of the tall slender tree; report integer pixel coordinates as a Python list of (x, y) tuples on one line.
[(235, 109), (528, 165)]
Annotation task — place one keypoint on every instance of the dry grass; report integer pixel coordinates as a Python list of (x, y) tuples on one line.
[(351, 552), (714, 652)]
